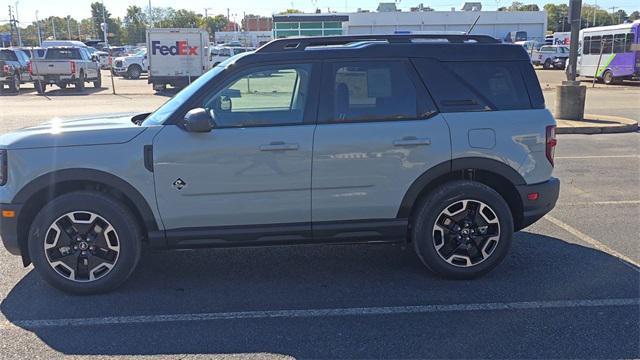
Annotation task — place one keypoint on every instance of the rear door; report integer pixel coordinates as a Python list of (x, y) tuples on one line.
[(378, 131)]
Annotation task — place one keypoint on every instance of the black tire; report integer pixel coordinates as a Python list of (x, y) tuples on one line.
[(429, 211), (134, 71), (547, 64), (61, 85), (608, 78), (80, 82), (40, 87), (116, 214), (14, 85), (98, 82)]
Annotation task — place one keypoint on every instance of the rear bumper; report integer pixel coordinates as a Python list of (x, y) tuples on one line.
[(9, 228), (533, 210)]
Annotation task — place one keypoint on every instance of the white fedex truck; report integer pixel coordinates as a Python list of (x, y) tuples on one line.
[(176, 56)]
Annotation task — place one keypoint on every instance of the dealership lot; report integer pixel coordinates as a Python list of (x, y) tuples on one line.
[(570, 287)]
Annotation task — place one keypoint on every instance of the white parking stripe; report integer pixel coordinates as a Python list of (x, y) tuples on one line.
[(612, 202), (593, 242), (598, 157), (310, 313)]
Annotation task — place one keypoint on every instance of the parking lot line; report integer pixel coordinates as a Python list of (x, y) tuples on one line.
[(599, 157), (310, 313), (611, 202), (593, 242)]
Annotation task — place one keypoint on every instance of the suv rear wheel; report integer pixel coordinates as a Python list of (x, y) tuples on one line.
[(134, 71), (80, 82), (98, 82), (14, 85), (85, 242), (462, 230)]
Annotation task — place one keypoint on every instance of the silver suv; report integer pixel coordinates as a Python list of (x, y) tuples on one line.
[(441, 141)]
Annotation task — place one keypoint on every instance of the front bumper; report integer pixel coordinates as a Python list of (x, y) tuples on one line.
[(533, 210), (119, 70), (9, 228)]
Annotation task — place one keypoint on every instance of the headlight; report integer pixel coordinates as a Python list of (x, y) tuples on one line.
[(3, 167)]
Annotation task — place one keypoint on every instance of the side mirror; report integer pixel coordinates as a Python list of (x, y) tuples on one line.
[(198, 120)]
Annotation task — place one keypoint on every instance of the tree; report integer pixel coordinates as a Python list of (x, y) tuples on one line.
[(135, 25), (518, 6), (113, 25), (215, 23), (557, 17), (634, 15), (620, 16), (291, 11), (186, 19)]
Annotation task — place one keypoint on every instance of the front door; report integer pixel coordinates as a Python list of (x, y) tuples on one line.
[(253, 168)]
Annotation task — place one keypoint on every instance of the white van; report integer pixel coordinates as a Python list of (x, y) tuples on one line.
[(221, 53)]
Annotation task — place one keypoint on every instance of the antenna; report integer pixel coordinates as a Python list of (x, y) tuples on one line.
[(472, 26)]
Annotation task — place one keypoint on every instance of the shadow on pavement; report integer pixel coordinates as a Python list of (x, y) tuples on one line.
[(539, 268)]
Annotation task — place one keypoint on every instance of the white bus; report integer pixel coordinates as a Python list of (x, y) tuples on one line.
[(610, 53)]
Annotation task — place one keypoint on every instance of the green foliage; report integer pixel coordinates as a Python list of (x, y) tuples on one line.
[(518, 6), (135, 25)]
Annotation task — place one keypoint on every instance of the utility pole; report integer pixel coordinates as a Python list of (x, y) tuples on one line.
[(150, 15), (613, 13), (570, 96), (79, 35), (38, 29), (53, 26), (17, 22), (595, 10), (69, 26), (11, 24)]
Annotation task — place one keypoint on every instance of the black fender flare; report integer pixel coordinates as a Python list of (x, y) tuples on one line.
[(48, 182), (450, 167)]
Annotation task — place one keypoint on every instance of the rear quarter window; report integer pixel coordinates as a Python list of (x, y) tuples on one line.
[(481, 85)]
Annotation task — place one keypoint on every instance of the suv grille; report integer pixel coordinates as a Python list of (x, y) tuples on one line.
[(118, 63)]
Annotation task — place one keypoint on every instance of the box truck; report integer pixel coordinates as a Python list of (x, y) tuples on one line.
[(176, 56)]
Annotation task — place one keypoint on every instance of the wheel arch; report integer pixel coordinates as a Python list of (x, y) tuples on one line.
[(46, 187), (495, 174)]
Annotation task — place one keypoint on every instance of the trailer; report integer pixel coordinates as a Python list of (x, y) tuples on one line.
[(176, 56)]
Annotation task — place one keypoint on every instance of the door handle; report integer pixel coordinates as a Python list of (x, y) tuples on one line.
[(412, 141), (279, 146)]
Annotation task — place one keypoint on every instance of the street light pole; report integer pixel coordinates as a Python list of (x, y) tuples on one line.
[(53, 26), (69, 26), (17, 22), (570, 96), (38, 28), (150, 15)]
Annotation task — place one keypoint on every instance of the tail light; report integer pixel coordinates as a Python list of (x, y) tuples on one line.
[(30, 67), (73, 67), (551, 143), (3, 167), (6, 69)]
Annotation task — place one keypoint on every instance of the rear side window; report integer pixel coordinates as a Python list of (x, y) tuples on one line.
[(478, 85), (370, 91)]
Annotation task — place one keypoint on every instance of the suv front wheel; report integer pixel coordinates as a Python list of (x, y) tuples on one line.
[(85, 242), (462, 230)]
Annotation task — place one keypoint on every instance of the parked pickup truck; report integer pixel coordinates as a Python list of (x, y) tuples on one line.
[(131, 67), (66, 65), (547, 55), (14, 69)]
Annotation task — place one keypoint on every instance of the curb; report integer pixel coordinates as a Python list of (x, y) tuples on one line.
[(597, 124)]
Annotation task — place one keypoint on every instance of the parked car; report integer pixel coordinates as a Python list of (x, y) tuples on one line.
[(219, 54), (131, 67), (353, 139), (548, 53), (33, 52), (14, 68), (66, 65), (103, 57)]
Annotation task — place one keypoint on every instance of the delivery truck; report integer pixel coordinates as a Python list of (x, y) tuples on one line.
[(176, 56)]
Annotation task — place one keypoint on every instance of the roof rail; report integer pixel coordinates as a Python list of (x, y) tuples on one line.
[(301, 43)]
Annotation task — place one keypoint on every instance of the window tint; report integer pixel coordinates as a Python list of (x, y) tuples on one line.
[(269, 95), (629, 42), (63, 54), (586, 47), (8, 55), (371, 91), (595, 44), (607, 44), (618, 43), (499, 82)]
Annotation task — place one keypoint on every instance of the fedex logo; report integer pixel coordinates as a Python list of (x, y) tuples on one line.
[(180, 48)]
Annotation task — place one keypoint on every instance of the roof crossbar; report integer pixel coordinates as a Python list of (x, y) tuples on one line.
[(301, 43)]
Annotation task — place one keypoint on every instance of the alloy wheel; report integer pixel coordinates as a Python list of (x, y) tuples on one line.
[(466, 233), (82, 246)]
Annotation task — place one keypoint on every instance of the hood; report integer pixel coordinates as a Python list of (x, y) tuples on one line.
[(103, 130)]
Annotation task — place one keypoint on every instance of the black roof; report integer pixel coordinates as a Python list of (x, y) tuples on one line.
[(445, 47)]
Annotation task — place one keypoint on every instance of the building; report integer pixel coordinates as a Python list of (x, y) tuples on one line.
[(257, 23), (308, 25), (493, 23), (244, 38)]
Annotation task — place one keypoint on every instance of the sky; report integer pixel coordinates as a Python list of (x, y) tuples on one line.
[(81, 8)]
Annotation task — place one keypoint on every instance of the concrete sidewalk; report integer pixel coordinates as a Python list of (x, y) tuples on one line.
[(597, 124)]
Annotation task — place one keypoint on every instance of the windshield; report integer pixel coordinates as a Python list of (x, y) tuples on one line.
[(163, 113), (8, 55), (142, 52)]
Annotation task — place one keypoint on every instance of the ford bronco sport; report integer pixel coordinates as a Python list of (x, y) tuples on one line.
[(441, 141)]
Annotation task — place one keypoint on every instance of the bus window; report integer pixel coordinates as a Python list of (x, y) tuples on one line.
[(627, 47), (618, 43), (607, 44), (586, 47), (595, 45)]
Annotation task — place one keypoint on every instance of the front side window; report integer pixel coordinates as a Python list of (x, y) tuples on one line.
[(596, 43), (371, 91), (618, 43), (629, 42), (607, 44), (586, 47), (267, 95)]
